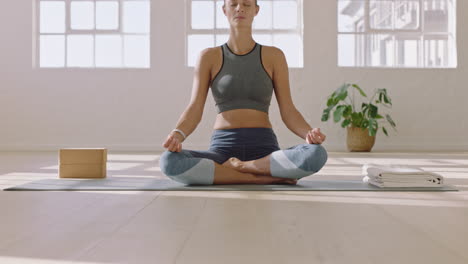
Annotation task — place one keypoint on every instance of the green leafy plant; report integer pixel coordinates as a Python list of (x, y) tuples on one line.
[(366, 117)]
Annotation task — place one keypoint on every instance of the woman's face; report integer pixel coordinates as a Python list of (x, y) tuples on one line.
[(240, 12)]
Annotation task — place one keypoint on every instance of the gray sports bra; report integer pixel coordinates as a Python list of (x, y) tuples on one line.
[(242, 82)]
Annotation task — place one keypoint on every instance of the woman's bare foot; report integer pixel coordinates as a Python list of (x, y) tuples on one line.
[(288, 181), (237, 164), (266, 179), (233, 163)]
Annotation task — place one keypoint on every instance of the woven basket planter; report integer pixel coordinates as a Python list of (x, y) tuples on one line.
[(358, 140)]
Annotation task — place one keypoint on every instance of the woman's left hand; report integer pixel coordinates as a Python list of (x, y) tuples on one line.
[(314, 136)]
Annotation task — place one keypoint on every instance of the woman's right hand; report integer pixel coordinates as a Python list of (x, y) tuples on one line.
[(173, 142)]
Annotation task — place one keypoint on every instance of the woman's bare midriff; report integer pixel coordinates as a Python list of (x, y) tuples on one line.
[(241, 118)]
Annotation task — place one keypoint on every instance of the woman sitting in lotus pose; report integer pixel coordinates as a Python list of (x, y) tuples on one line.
[(244, 149)]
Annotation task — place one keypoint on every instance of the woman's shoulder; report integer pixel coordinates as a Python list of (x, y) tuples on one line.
[(271, 50), (211, 54), (272, 54), (211, 51), (209, 57)]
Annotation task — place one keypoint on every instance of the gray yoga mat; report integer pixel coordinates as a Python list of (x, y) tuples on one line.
[(147, 184)]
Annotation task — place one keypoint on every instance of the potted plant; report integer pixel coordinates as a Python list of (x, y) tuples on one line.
[(362, 124)]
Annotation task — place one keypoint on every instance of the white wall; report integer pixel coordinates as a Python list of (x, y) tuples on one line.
[(45, 109)]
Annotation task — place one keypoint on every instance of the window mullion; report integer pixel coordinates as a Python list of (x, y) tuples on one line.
[(94, 36), (188, 26), (366, 30), (366, 16), (421, 14), (122, 36), (37, 34), (101, 32), (120, 12), (67, 16), (214, 22), (299, 17), (421, 50), (67, 29), (256, 31), (272, 23), (421, 37)]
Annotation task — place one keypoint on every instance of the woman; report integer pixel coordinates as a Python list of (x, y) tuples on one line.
[(244, 149)]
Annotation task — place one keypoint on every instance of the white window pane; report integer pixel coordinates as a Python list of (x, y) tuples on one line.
[(285, 14), (381, 50), (202, 15), (137, 51), (389, 52), (442, 48), (221, 19), (108, 51), (136, 17), (80, 50), (221, 39), (428, 60), (407, 14), (264, 39), (82, 15), (346, 50), (351, 15), (381, 14), (107, 15), (291, 45), (451, 13), (197, 43), (437, 52), (263, 20), (401, 48), (408, 53), (435, 16), (452, 53), (52, 17), (52, 51)]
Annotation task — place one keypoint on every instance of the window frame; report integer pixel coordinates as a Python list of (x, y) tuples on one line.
[(299, 30), (419, 34), (94, 32)]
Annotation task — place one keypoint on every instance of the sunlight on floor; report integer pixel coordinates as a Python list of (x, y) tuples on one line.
[(390, 161), (17, 260), (28, 176), (156, 168), (132, 157)]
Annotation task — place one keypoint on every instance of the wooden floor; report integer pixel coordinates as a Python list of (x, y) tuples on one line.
[(230, 226)]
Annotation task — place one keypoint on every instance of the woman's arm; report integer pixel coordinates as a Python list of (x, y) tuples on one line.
[(193, 113), (291, 117)]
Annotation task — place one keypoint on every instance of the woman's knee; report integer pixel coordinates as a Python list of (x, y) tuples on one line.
[(171, 163), (315, 157), (184, 168), (298, 161)]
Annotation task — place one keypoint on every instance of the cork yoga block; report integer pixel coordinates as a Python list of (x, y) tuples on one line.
[(82, 163)]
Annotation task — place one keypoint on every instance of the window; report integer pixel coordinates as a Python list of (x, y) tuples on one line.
[(93, 33), (397, 33), (279, 23)]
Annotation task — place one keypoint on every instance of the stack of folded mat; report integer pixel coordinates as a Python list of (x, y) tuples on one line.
[(400, 176)]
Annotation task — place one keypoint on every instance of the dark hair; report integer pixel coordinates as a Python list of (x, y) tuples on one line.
[(255, 2)]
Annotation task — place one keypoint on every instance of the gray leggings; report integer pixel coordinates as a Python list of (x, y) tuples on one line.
[(196, 167)]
